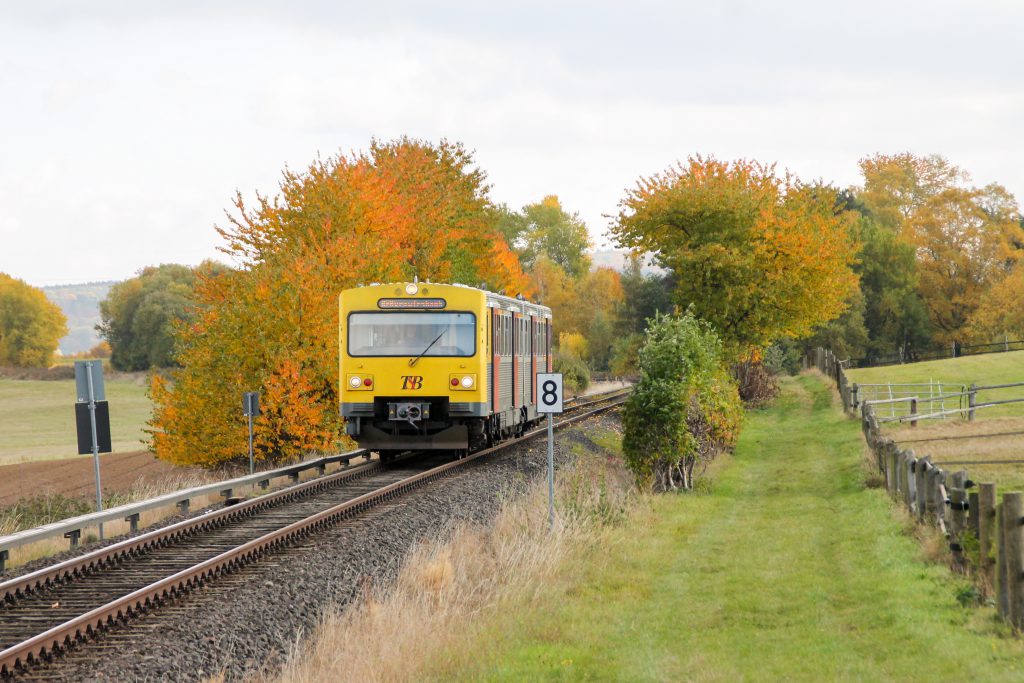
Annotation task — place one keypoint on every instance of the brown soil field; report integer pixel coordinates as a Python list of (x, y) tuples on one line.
[(73, 477)]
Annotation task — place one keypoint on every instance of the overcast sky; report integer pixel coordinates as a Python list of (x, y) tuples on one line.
[(126, 127)]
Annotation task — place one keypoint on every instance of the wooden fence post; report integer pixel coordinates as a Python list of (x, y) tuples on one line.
[(913, 411), (855, 395), (905, 477), (1013, 512), (912, 484), (920, 477), (986, 528), (932, 504), (893, 475), (972, 513), (970, 402), (957, 515), (1002, 594)]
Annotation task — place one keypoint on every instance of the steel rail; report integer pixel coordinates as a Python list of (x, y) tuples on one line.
[(78, 567), (181, 498), (43, 645)]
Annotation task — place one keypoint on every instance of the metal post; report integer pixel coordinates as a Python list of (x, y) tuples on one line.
[(551, 471), (252, 462), (95, 445)]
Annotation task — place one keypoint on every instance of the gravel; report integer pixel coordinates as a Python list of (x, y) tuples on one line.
[(245, 623)]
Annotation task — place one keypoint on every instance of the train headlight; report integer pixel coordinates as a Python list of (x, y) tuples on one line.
[(411, 288), (355, 381), (462, 382)]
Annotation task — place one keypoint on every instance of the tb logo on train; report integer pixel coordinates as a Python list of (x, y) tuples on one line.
[(474, 354)]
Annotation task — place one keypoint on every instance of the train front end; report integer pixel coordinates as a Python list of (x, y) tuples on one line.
[(413, 366)]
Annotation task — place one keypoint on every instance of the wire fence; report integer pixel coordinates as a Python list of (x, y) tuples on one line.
[(954, 350), (985, 535)]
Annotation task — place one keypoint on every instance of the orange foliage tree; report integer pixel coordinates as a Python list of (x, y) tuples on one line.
[(758, 256), (401, 210), (588, 305)]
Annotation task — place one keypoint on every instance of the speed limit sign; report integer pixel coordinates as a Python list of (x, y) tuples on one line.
[(549, 392)]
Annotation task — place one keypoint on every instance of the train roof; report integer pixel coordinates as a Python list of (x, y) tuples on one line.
[(504, 299)]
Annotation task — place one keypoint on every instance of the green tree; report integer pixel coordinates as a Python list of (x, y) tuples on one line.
[(644, 296), (139, 315), (894, 314), (549, 230), (30, 325)]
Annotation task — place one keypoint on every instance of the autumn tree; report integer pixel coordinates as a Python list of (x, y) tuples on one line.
[(897, 185), (963, 249), (757, 255), (138, 315), (963, 239), (401, 210), (30, 324), (999, 316), (588, 305)]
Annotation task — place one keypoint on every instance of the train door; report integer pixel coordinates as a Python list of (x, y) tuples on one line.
[(547, 335), (535, 349), (516, 392), (495, 337)]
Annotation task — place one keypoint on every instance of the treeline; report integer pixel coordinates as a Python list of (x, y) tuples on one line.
[(938, 259), (755, 263)]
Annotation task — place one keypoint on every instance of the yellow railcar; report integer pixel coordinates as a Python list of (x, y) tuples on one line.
[(435, 366)]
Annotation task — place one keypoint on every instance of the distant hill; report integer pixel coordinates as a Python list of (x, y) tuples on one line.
[(81, 305)]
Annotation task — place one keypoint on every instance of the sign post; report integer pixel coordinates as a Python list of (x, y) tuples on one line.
[(251, 408), (550, 402), (92, 417)]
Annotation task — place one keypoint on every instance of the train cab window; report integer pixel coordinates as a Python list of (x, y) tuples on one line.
[(416, 333)]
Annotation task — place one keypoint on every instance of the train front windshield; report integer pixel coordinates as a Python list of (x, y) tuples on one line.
[(412, 334)]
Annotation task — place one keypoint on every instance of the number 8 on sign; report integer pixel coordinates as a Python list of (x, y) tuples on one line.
[(550, 384)]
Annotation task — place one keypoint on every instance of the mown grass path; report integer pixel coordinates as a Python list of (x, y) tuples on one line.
[(789, 569)]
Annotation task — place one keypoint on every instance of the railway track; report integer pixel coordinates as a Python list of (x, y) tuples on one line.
[(57, 607)]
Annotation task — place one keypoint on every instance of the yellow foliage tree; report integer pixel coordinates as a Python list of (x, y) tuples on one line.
[(999, 315), (30, 324), (964, 247), (759, 256)]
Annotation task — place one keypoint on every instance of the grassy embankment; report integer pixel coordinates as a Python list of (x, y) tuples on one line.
[(788, 569), (37, 418), (996, 434)]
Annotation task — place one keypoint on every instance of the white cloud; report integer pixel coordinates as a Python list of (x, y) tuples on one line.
[(126, 129)]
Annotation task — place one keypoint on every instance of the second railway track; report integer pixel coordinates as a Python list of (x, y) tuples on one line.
[(54, 608)]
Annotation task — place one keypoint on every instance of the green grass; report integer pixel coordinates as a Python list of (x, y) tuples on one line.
[(989, 369), (37, 418), (789, 569)]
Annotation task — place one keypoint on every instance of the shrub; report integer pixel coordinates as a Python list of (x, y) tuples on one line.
[(575, 373), (757, 384), (684, 410)]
